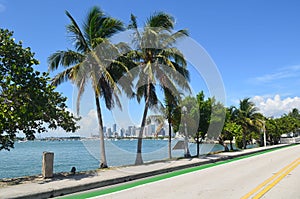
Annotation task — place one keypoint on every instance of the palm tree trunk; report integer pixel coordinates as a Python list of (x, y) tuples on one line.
[(139, 158), (170, 134), (103, 163), (231, 147), (244, 141), (198, 145)]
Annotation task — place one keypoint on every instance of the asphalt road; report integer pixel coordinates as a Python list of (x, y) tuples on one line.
[(271, 175)]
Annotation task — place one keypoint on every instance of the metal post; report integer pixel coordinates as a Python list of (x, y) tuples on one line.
[(264, 128), (186, 148)]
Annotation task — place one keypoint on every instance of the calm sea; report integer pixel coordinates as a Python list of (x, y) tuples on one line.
[(26, 158)]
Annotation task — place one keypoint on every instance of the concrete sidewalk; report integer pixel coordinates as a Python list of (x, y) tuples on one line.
[(62, 185)]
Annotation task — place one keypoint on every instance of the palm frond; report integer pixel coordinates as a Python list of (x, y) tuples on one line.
[(168, 85), (92, 23), (133, 22), (161, 20), (174, 54), (61, 77), (76, 35), (64, 58), (133, 25), (109, 27), (170, 40), (106, 93), (81, 88)]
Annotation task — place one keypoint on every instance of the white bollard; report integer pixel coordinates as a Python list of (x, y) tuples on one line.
[(47, 167)]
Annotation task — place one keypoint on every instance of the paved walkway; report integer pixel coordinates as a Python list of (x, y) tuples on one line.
[(61, 185)]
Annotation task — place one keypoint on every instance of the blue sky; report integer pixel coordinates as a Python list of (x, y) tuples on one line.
[(254, 44)]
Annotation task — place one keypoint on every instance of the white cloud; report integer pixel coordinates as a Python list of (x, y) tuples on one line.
[(283, 73), (275, 106), (88, 124)]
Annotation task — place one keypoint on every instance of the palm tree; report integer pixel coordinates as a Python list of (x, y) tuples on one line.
[(88, 64), (246, 116), (172, 113), (230, 129), (160, 63)]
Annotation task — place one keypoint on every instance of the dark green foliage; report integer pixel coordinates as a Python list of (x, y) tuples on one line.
[(29, 103), (288, 123), (272, 130), (192, 117), (205, 118), (205, 110), (231, 130)]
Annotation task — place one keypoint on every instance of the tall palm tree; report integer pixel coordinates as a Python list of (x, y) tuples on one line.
[(160, 63), (88, 63), (246, 116)]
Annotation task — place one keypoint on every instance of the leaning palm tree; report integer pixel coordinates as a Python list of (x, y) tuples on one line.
[(246, 116), (159, 62), (93, 62)]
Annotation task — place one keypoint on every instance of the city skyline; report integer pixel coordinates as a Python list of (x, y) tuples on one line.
[(150, 130)]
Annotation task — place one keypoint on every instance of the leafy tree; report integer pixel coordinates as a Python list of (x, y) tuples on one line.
[(211, 119), (94, 60), (205, 110), (190, 120), (29, 103), (205, 118), (192, 116), (295, 116), (294, 113), (272, 131), (159, 62), (228, 129), (287, 124), (218, 115)]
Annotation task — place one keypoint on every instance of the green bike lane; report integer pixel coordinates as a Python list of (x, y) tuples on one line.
[(136, 183)]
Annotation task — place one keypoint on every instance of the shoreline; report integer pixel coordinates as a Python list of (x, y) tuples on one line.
[(62, 185), (26, 158), (4, 182)]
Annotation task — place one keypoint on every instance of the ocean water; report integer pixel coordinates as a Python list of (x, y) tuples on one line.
[(26, 158)]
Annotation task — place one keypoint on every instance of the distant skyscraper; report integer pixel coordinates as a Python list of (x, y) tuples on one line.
[(146, 131), (114, 128), (127, 134), (104, 129), (136, 131), (122, 132), (130, 130), (151, 129), (162, 132), (109, 133)]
